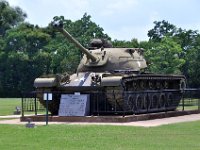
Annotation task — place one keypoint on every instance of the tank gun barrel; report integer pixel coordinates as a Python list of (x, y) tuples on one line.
[(60, 28)]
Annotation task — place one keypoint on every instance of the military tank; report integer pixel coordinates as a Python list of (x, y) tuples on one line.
[(118, 73)]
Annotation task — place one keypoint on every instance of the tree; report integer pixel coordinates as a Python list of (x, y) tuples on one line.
[(161, 29), (188, 40), (14, 77), (26, 38), (23, 58), (193, 64), (85, 29), (128, 44), (9, 17), (165, 57)]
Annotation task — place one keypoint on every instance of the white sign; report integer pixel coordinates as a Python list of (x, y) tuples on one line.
[(74, 105), (47, 96), (77, 93)]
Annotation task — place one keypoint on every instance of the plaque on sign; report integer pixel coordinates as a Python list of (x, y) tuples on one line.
[(74, 105)]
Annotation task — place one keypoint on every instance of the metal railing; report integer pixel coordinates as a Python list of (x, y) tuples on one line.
[(30, 104), (124, 103)]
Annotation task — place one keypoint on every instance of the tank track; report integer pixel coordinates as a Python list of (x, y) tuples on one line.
[(144, 93), (152, 93)]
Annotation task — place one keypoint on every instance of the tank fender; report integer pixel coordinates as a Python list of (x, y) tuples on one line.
[(45, 82), (111, 81)]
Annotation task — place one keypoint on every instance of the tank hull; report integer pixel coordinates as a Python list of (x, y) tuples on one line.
[(142, 93)]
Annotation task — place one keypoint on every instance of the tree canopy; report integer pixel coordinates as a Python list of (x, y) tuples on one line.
[(9, 16)]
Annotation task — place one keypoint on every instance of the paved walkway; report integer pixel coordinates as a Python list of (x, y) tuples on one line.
[(146, 123), (10, 116)]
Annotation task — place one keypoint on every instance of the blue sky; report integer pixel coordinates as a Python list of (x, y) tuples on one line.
[(120, 19)]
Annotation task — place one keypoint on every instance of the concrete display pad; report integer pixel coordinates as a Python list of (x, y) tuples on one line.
[(111, 119)]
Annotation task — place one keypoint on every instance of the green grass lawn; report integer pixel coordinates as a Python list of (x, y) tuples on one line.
[(182, 136), (189, 104), (6, 119), (7, 105), (188, 108)]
